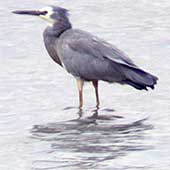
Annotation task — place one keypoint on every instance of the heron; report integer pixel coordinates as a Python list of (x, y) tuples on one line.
[(87, 57)]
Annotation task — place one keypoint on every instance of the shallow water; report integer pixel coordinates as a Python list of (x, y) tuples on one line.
[(40, 126)]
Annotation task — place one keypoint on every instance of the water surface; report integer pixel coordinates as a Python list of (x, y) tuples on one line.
[(40, 126)]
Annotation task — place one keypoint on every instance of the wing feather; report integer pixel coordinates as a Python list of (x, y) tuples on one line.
[(85, 43), (90, 58)]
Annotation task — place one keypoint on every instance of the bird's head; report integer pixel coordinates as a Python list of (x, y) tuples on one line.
[(52, 14)]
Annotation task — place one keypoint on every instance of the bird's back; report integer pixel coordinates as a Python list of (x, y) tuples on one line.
[(85, 42), (91, 58)]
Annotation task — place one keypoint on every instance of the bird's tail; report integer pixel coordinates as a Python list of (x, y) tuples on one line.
[(139, 79)]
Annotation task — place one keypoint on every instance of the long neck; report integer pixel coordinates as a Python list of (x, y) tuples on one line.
[(60, 26), (51, 36)]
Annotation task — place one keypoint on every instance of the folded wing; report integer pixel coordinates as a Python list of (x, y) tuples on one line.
[(92, 58)]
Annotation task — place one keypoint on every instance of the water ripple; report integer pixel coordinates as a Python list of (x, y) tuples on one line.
[(87, 142)]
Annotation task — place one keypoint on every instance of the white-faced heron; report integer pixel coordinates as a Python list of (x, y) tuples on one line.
[(87, 57)]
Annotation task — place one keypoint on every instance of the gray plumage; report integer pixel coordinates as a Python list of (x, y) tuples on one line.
[(87, 57), (93, 59), (90, 58)]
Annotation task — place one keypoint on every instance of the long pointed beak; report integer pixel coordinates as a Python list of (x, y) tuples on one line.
[(30, 12)]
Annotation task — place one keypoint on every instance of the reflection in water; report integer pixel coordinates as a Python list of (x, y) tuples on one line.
[(88, 143)]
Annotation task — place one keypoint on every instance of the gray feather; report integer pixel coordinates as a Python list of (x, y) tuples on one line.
[(90, 58), (84, 42), (50, 44)]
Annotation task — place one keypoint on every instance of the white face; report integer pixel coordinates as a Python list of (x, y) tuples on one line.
[(47, 16)]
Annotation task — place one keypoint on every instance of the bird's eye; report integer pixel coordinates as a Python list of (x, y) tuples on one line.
[(44, 12)]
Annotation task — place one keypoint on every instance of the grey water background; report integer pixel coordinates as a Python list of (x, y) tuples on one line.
[(40, 127)]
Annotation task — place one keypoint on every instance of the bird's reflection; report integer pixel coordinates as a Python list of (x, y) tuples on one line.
[(85, 143), (80, 112), (95, 113)]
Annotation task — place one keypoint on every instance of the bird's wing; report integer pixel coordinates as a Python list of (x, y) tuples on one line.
[(90, 58), (85, 43)]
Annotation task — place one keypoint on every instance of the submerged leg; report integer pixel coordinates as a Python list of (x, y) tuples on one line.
[(80, 89), (95, 84)]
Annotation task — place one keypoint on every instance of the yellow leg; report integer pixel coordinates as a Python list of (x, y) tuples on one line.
[(95, 84), (80, 89)]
